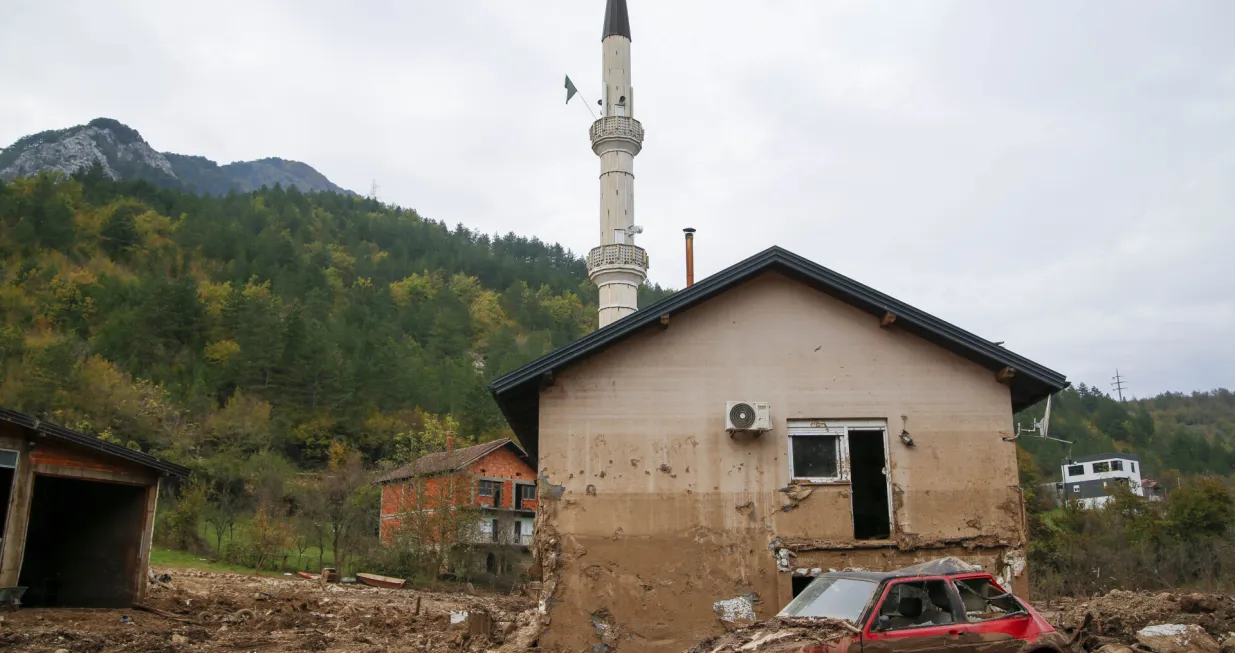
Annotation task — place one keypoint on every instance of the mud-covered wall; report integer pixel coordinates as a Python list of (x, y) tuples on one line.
[(658, 512)]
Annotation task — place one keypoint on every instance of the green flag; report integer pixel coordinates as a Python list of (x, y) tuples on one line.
[(570, 89)]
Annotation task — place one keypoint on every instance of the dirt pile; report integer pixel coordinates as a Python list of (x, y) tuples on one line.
[(1117, 617), (777, 636), (204, 611)]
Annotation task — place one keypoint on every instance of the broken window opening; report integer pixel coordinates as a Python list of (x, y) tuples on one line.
[(983, 601), (800, 583), (1099, 468), (1076, 470), (868, 472), (916, 604)]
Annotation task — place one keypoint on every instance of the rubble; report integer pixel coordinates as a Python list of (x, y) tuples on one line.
[(777, 636), (1123, 618), (207, 612)]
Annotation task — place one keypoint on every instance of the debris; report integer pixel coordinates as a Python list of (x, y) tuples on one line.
[(373, 580), (458, 617), (737, 610), (1177, 638)]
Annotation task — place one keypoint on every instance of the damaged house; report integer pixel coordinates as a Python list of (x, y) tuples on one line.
[(764, 425), (494, 479), (79, 515)]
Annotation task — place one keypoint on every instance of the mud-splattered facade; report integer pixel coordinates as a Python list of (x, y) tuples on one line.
[(651, 511)]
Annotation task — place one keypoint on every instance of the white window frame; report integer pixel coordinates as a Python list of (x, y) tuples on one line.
[(837, 428), (1076, 489), (1117, 465)]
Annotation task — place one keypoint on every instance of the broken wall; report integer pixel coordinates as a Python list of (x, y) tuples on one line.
[(655, 512)]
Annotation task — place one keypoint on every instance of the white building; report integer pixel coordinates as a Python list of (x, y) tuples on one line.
[(1090, 479)]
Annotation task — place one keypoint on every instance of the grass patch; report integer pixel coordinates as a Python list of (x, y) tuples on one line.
[(172, 558)]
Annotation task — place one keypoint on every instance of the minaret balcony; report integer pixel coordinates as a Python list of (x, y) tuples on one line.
[(617, 127), (624, 256)]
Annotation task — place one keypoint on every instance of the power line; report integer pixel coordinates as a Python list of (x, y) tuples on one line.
[(1117, 382)]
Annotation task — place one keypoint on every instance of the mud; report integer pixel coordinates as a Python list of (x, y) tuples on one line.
[(780, 636), (1116, 617), (205, 611)]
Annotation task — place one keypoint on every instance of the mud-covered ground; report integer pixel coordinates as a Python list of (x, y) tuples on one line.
[(1118, 616), (208, 611)]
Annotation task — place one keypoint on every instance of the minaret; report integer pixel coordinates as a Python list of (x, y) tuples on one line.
[(617, 266)]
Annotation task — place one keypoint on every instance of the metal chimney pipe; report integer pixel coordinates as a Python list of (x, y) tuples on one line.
[(690, 256)]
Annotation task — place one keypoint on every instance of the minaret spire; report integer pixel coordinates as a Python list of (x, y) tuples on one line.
[(617, 20), (617, 267)]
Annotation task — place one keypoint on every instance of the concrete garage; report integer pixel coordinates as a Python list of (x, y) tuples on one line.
[(79, 515)]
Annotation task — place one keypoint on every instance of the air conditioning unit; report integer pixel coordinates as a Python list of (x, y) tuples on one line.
[(748, 416)]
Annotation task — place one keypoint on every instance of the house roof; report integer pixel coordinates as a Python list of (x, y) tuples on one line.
[(1100, 456), (90, 442), (442, 462), (517, 393)]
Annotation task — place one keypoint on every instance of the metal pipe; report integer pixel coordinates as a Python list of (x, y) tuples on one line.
[(690, 256)]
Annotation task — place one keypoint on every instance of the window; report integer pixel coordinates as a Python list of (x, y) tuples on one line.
[(1076, 489), (1133, 467), (1117, 465), (486, 488), (819, 449), (527, 492), (916, 604), (1099, 468), (1076, 470), (984, 601)]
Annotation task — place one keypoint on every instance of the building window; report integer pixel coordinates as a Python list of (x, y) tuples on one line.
[(1117, 465), (1076, 470), (1099, 468), (486, 488), (1133, 467), (816, 451), (1076, 489), (527, 492)]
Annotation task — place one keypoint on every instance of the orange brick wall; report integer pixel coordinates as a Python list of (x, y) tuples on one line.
[(401, 497), (504, 464)]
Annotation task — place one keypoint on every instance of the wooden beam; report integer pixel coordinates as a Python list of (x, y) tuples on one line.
[(1005, 375), (664, 321), (886, 321)]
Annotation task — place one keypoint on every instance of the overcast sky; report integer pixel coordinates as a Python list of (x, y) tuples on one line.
[(1059, 175)]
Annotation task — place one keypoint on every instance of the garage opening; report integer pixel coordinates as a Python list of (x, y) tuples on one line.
[(871, 519), (83, 543)]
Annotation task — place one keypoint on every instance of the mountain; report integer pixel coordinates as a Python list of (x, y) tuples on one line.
[(204, 328), (123, 154)]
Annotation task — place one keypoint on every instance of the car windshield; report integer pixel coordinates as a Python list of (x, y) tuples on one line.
[(830, 596)]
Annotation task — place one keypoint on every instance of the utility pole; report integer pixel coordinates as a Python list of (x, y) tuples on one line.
[(1117, 382)]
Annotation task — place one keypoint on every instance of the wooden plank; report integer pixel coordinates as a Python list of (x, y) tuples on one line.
[(887, 319)]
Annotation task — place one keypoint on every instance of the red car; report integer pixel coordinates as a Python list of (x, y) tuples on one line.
[(940, 605)]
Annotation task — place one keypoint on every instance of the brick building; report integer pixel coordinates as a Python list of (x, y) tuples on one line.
[(78, 514), (494, 477)]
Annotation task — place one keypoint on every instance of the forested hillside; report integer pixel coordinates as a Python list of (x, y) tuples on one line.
[(271, 323), (1175, 434)]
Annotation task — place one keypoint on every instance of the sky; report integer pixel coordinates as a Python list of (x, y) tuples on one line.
[(1054, 174)]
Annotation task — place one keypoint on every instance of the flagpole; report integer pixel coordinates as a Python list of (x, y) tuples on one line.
[(572, 90)]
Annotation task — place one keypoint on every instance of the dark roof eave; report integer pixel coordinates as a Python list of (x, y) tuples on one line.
[(91, 442)]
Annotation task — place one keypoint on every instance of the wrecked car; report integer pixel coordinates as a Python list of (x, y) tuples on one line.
[(942, 604)]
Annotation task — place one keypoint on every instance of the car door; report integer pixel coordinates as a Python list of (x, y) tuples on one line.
[(993, 620), (918, 615)]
